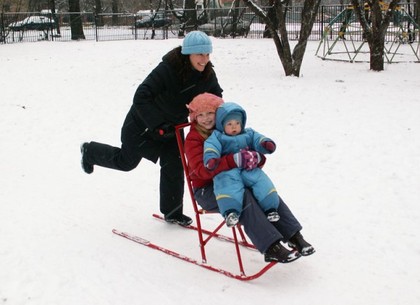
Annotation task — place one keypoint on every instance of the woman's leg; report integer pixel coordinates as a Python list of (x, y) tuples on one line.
[(125, 158), (206, 199), (256, 225), (288, 225), (259, 230), (171, 180)]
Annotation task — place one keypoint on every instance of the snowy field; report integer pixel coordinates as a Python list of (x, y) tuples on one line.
[(347, 164)]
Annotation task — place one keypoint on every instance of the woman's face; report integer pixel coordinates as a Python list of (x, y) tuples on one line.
[(199, 61), (206, 119)]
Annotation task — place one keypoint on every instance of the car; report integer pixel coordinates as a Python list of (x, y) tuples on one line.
[(153, 20), (39, 23), (223, 26)]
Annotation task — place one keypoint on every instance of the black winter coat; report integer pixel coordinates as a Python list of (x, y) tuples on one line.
[(163, 95)]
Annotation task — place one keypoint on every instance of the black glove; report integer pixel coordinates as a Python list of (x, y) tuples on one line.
[(164, 132)]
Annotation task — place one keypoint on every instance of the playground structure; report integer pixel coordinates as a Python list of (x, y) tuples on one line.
[(343, 38)]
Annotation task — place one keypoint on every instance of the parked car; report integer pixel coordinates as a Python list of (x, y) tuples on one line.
[(153, 20), (40, 23), (223, 26)]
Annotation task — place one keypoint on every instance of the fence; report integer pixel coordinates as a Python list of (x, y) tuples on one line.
[(28, 27)]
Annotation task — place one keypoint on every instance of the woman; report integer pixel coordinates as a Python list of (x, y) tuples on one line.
[(148, 130), (266, 236)]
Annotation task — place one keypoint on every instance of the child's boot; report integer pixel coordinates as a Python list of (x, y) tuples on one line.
[(272, 215), (231, 218)]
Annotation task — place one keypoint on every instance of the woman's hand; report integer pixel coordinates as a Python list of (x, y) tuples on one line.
[(164, 132)]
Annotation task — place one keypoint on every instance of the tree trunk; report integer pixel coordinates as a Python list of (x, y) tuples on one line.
[(114, 6), (54, 15), (190, 13), (376, 48), (98, 12), (309, 12), (76, 25), (276, 27), (271, 13), (374, 17)]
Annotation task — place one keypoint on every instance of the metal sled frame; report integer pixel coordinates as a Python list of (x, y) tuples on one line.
[(204, 236)]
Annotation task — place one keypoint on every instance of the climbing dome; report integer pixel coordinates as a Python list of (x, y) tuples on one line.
[(343, 38)]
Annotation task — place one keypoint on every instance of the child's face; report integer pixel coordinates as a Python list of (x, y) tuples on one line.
[(206, 119), (233, 127)]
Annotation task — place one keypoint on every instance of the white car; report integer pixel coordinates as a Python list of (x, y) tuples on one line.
[(40, 23)]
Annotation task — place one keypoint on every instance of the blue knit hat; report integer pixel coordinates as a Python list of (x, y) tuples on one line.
[(233, 115), (196, 42)]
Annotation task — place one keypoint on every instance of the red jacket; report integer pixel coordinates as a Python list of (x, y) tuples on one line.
[(200, 176)]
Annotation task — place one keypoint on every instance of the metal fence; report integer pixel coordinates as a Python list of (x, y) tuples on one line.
[(29, 27)]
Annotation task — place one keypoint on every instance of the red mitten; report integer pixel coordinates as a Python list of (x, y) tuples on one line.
[(269, 146)]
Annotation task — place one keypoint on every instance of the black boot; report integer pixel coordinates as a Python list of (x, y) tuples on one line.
[(181, 219), (86, 166), (297, 242), (278, 253)]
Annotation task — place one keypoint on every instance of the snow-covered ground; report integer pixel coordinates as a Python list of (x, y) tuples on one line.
[(348, 165)]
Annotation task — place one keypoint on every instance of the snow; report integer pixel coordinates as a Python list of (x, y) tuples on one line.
[(347, 164)]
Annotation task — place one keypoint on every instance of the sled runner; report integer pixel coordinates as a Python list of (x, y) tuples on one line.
[(238, 238)]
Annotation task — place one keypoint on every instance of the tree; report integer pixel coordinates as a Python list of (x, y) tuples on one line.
[(54, 15), (276, 26), (98, 12), (190, 14), (76, 25), (374, 17), (115, 10)]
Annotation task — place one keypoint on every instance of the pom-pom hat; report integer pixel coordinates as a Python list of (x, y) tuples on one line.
[(196, 42), (205, 102)]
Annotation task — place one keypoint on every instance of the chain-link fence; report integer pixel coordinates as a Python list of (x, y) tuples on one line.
[(164, 24)]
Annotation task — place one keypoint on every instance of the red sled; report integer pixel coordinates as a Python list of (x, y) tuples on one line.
[(238, 238)]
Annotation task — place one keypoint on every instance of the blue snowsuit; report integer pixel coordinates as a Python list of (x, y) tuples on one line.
[(229, 186)]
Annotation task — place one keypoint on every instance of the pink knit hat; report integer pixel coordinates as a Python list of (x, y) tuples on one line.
[(202, 103)]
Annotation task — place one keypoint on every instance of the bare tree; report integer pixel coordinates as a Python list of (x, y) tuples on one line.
[(374, 17), (98, 12), (51, 4), (115, 11), (76, 25), (190, 13), (276, 26)]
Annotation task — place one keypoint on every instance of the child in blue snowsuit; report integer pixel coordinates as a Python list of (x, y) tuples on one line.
[(231, 136)]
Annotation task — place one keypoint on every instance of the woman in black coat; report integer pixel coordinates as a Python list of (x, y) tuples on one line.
[(148, 130)]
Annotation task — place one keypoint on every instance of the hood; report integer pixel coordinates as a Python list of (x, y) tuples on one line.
[(224, 110)]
